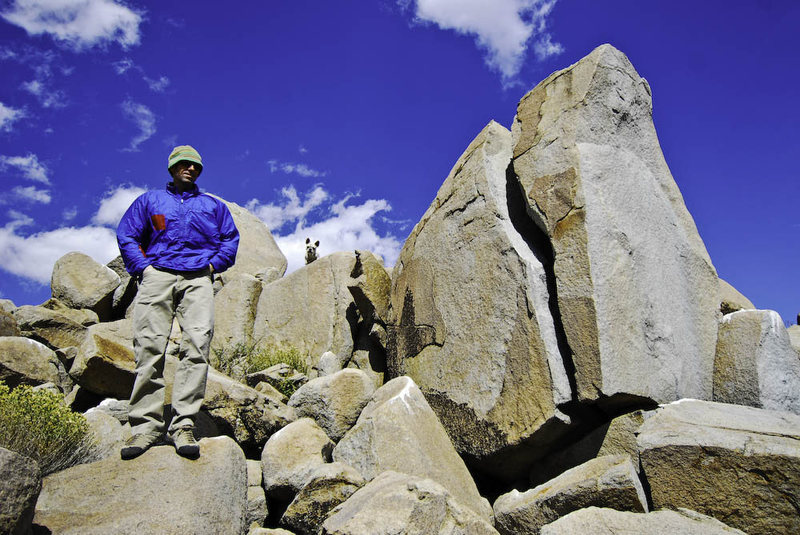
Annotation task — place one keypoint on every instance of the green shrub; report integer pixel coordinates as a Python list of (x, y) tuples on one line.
[(242, 359), (36, 423)]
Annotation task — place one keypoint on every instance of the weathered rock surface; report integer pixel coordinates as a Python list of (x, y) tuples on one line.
[(731, 299), (258, 251), (398, 430), (399, 503), (599, 521), (740, 465), (50, 327), (256, 498), (126, 291), (108, 433), (617, 437), (755, 364), (328, 486), (470, 310), (28, 362), (371, 287), (20, 484), (235, 311), (310, 309), (158, 492), (242, 412), (84, 316), (334, 401), (794, 336), (609, 481), (8, 325), (80, 282), (105, 363), (637, 293), (291, 455)]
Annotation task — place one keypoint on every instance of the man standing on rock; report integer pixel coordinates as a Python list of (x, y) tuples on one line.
[(175, 239)]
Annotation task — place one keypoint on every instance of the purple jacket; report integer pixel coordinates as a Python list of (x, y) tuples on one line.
[(180, 231)]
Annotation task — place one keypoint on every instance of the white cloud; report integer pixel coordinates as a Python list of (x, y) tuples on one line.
[(143, 118), (122, 66), (290, 209), (79, 24), (32, 193), (48, 98), (296, 168), (29, 165), (159, 86), (344, 227), (126, 64), (8, 116), (32, 257), (302, 150), (70, 213), (545, 47), (114, 204), (502, 28)]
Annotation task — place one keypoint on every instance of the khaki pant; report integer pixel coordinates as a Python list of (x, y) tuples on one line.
[(189, 297)]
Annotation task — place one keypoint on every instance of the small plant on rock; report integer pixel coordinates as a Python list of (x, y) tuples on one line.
[(38, 424), (241, 359)]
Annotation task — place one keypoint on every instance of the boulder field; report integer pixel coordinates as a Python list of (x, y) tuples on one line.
[(553, 352)]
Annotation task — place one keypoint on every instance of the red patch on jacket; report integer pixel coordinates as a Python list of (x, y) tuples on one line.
[(159, 223)]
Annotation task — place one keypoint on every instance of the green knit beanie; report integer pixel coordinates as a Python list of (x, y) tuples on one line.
[(184, 152)]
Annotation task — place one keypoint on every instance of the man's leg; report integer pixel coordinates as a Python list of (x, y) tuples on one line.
[(152, 320), (195, 315)]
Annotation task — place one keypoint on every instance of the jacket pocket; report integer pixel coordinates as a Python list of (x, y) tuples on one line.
[(159, 221)]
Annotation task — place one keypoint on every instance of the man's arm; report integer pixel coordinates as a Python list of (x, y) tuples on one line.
[(229, 240), (133, 233)]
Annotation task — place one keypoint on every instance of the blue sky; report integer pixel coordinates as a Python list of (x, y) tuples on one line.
[(340, 120)]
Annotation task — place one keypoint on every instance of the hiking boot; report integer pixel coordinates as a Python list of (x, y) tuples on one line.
[(136, 445), (185, 444)]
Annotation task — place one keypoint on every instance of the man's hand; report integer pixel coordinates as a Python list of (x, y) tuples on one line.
[(211, 267), (150, 267)]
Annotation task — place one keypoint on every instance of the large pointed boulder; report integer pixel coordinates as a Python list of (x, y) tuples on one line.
[(470, 311), (637, 293)]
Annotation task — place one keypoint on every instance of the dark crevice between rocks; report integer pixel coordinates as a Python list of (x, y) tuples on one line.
[(539, 243), (648, 493)]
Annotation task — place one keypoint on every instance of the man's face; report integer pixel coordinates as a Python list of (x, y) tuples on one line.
[(184, 173)]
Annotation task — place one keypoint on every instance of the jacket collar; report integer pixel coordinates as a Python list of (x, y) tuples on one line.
[(188, 193)]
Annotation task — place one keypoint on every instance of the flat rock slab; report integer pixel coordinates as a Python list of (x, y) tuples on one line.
[(158, 492), (396, 503), (740, 465), (637, 293), (609, 481), (597, 521)]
